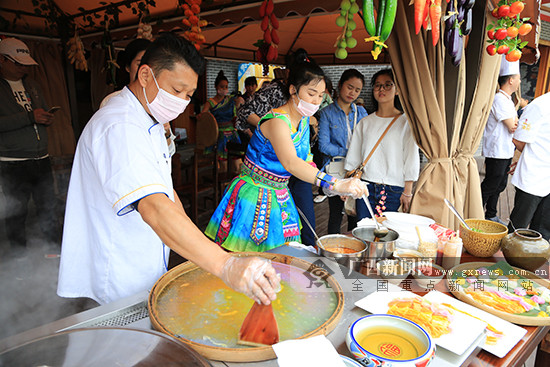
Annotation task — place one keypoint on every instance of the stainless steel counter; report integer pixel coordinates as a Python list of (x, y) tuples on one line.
[(132, 312)]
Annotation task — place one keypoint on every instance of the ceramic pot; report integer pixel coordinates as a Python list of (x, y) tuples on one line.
[(525, 249)]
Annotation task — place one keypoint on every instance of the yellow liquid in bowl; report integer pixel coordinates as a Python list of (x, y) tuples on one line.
[(391, 343)]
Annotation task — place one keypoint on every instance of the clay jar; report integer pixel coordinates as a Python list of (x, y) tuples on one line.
[(525, 249)]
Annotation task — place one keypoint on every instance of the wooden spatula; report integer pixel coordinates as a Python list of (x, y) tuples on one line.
[(259, 327)]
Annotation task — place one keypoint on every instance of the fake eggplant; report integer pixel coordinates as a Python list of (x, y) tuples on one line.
[(456, 46), (466, 26), (469, 4)]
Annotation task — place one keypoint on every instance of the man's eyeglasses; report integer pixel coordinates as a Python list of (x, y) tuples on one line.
[(386, 86)]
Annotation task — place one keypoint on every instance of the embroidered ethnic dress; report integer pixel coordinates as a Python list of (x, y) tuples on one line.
[(225, 113), (257, 212)]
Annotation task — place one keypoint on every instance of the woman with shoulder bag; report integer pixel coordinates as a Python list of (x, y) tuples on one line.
[(336, 124), (384, 149)]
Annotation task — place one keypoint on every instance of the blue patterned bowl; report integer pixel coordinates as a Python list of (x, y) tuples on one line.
[(387, 352)]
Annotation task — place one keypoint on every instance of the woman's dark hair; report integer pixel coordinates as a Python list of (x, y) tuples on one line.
[(135, 47), (220, 78), (303, 70), (251, 80), (388, 72), (169, 49), (348, 74)]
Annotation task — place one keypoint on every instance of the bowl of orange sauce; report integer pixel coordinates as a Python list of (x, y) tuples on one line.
[(345, 250)]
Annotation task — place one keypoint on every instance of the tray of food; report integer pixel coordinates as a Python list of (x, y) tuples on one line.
[(451, 330), (511, 293)]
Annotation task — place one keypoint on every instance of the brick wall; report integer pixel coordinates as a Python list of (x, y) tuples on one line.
[(230, 69)]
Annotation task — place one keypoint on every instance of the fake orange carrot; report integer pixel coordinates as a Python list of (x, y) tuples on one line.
[(419, 6), (435, 18)]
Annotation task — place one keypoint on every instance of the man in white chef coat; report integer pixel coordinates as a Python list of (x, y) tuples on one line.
[(122, 214), (532, 174), (498, 148)]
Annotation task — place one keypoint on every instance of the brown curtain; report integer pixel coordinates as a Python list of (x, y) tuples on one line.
[(50, 76), (98, 83), (433, 95)]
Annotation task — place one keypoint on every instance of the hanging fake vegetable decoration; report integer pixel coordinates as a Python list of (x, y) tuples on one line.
[(387, 9), (144, 31), (75, 53), (348, 9), (504, 33), (110, 57), (458, 23), (192, 9), (268, 46)]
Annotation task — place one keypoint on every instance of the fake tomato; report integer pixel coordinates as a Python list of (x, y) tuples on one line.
[(502, 49), (525, 29), (517, 7), (501, 34), (491, 50), (512, 31), (513, 55)]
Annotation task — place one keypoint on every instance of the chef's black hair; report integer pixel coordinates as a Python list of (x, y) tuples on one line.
[(169, 49)]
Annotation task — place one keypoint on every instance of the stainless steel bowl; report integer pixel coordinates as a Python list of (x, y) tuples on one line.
[(377, 250), (353, 260)]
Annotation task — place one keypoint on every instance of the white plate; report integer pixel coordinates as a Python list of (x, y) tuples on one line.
[(408, 219), (465, 329), (512, 333)]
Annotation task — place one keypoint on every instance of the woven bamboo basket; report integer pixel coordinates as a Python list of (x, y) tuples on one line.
[(485, 243)]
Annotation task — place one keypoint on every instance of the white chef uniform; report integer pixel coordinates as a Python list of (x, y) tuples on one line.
[(108, 251), (532, 173)]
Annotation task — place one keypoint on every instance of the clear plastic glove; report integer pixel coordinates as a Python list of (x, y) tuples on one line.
[(253, 276), (353, 187)]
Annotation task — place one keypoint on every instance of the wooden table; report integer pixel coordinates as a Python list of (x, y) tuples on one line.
[(525, 347), (519, 354)]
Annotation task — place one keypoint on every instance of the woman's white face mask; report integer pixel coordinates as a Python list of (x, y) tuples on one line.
[(305, 108), (165, 107)]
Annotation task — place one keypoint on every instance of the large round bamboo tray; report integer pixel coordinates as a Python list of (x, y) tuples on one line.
[(245, 353), (513, 318), (485, 243)]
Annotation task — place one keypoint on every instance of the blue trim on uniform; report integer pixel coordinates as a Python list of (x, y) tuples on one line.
[(121, 212)]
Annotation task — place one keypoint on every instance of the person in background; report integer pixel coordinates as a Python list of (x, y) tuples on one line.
[(336, 125), (395, 164), (360, 102), (264, 100), (123, 214), (257, 213), (523, 102), (132, 58), (497, 147), (224, 108), (24, 161), (532, 173), (317, 155), (250, 86)]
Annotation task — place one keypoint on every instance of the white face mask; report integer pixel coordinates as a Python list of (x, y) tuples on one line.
[(306, 108), (165, 107)]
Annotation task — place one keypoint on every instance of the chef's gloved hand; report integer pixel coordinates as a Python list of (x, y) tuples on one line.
[(253, 276), (353, 187)]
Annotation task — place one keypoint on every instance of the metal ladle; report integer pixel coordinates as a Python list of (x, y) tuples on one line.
[(455, 212), (379, 231)]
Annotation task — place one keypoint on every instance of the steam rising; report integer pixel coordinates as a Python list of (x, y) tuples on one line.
[(28, 280)]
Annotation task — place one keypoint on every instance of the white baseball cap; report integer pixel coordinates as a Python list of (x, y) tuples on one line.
[(17, 51)]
